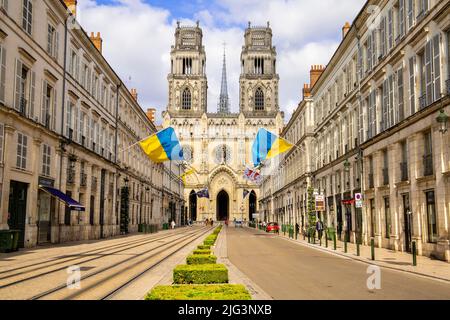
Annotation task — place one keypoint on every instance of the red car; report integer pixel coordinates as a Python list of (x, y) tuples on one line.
[(273, 227)]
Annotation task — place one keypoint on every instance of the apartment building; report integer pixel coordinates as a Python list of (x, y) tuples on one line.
[(65, 119), (374, 114)]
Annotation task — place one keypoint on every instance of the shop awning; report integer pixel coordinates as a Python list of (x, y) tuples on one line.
[(72, 204)]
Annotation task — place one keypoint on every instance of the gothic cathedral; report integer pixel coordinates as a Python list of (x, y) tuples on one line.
[(218, 145)]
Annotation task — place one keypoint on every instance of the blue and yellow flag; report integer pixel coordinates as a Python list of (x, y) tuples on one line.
[(267, 145), (184, 175), (163, 146)]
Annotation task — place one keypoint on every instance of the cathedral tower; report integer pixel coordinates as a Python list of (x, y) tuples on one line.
[(188, 85), (259, 79)]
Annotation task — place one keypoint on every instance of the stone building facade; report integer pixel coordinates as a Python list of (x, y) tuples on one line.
[(374, 130), (65, 116), (218, 145)]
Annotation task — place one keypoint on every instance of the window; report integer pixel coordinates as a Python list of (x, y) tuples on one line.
[(423, 8), (404, 164), (401, 18), (22, 146), (412, 85), (371, 116), (432, 71), (46, 156), (69, 119), (2, 139), (390, 30), (24, 87), (431, 217), (4, 4), (27, 16), (385, 168), (428, 154), (48, 106), (52, 41), (388, 103), (400, 96), (187, 65), (387, 217), (410, 13), (259, 100), (383, 37), (258, 64), (186, 100), (2, 73)]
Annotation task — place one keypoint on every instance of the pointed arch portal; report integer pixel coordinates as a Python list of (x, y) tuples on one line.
[(251, 205), (193, 205), (223, 206)]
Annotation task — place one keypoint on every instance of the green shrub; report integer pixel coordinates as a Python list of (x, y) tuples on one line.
[(200, 292), (201, 259), (211, 237), (208, 242), (205, 251), (200, 274), (203, 247)]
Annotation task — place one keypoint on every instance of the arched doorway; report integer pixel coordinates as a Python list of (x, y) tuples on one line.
[(251, 205), (193, 205), (223, 206)]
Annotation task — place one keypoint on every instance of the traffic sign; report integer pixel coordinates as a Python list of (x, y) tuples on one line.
[(358, 200), (320, 202)]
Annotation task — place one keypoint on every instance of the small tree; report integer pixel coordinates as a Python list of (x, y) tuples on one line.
[(311, 212)]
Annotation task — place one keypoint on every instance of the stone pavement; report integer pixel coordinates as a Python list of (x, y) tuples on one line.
[(401, 261)]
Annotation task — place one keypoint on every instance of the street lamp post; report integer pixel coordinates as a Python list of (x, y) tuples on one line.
[(442, 119)]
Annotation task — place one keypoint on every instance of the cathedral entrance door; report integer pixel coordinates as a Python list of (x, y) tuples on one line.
[(223, 206)]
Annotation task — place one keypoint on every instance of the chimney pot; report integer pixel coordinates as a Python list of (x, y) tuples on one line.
[(345, 29), (72, 6)]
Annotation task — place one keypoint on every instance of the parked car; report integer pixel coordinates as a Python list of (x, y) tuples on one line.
[(273, 227)]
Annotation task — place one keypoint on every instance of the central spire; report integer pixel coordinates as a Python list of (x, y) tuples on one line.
[(224, 106)]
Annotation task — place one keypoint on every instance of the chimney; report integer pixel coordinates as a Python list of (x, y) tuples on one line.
[(72, 6), (97, 41), (151, 114), (306, 91), (134, 94), (315, 73), (345, 29)]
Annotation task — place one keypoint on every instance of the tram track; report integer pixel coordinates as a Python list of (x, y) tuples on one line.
[(121, 248), (101, 284)]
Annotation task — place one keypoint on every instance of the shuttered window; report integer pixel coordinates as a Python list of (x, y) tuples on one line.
[(22, 146), (46, 160), (27, 16), (2, 140), (412, 85), (400, 95), (2, 74)]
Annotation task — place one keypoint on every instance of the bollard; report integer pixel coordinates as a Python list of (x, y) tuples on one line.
[(326, 240), (334, 240), (414, 253), (309, 237), (357, 248), (372, 248), (345, 244), (296, 234)]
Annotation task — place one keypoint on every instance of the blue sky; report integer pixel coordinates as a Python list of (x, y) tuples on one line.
[(137, 36)]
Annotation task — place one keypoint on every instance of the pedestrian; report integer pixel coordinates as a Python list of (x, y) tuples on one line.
[(212, 222), (319, 228), (297, 228), (173, 224)]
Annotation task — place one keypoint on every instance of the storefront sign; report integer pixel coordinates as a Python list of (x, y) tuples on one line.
[(46, 182), (320, 202)]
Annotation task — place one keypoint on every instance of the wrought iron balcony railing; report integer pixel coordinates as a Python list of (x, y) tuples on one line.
[(423, 101), (70, 175), (83, 179), (385, 176), (371, 182)]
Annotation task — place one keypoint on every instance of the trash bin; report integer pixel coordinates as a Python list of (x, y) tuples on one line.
[(330, 233), (9, 240)]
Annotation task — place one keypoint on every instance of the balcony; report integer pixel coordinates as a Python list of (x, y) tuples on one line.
[(70, 175), (83, 179), (23, 106), (47, 121), (404, 171), (71, 134), (447, 84), (371, 184), (83, 141), (385, 176), (428, 165)]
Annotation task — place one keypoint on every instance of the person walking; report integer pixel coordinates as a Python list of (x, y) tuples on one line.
[(319, 228), (297, 228), (173, 224)]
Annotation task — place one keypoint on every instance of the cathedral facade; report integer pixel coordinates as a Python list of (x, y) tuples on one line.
[(218, 145)]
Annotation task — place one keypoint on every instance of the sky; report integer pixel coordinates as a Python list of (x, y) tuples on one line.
[(137, 36)]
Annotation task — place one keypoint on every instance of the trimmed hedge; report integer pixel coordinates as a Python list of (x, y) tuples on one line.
[(201, 259), (208, 242), (205, 251), (203, 247), (200, 292), (200, 274)]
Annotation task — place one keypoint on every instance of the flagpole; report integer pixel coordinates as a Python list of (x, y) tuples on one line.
[(131, 146)]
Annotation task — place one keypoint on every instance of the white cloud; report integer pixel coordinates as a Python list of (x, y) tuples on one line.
[(137, 39)]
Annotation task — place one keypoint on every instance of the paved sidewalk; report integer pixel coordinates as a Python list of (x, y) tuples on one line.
[(401, 261)]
